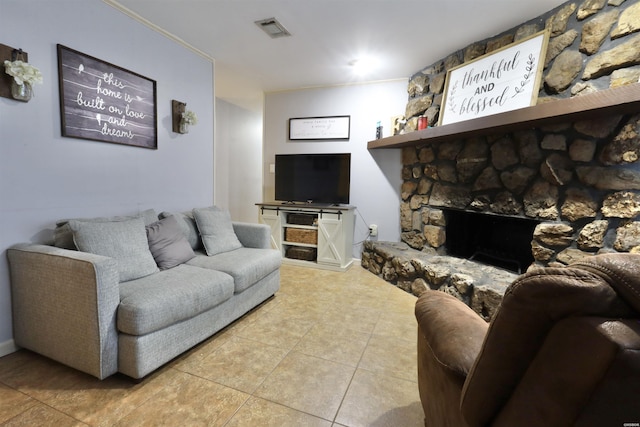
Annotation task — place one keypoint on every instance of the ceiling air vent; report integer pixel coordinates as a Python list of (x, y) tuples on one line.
[(273, 28)]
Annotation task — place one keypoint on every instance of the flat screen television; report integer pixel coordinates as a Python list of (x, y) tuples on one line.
[(313, 178)]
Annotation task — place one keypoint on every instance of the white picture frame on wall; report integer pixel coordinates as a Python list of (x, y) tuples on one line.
[(504, 80), (319, 128)]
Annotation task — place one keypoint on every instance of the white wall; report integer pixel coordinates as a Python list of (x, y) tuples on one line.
[(44, 177), (238, 167), (375, 175), (238, 149)]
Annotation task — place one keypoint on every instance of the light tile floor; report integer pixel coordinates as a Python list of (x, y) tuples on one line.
[(331, 349)]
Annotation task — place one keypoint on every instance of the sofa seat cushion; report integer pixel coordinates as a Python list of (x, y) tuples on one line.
[(246, 265), (170, 296)]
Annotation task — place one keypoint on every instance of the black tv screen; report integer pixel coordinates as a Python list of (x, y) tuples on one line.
[(313, 178)]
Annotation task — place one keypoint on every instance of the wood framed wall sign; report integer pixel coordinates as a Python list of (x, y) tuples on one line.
[(319, 128), (103, 102), (504, 80)]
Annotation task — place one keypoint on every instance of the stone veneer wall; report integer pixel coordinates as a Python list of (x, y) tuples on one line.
[(581, 180)]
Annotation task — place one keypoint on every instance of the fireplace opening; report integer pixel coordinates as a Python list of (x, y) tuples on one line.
[(496, 240)]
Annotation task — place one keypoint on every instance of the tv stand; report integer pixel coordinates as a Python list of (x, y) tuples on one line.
[(311, 235), (308, 205)]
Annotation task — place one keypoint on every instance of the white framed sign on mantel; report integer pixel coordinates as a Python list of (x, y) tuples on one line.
[(503, 80)]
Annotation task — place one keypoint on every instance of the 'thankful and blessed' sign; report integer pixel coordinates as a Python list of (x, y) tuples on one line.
[(504, 80), (104, 102)]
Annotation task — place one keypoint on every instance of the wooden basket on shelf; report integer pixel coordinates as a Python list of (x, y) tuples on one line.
[(302, 219), (301, 235), (301, 253)]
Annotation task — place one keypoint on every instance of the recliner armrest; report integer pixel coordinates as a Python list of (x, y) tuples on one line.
[(450, 336), (453, 331)]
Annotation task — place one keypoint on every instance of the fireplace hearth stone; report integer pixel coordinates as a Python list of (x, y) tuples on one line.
[(479, 286)]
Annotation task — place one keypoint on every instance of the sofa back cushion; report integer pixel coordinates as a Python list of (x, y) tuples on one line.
[(125, 241), (216, 230), (63, 235)]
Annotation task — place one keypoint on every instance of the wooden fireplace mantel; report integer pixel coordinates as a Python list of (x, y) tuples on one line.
[(621, 100)]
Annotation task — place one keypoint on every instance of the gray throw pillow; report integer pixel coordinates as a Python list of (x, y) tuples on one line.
[(188, 226), (216, 230), (167, 243), (63, 236), (125, 241)]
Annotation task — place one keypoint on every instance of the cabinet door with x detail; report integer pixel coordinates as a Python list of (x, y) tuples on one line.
[(331, 239)]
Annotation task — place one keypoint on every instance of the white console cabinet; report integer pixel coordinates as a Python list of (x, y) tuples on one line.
[(311, 235)]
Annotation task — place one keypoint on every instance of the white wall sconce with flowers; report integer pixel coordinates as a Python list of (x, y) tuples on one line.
[(24, 76), (181, 117), (188, 118)]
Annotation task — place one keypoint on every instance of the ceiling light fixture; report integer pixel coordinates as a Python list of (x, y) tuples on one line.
[(363, 65), (273, 28)]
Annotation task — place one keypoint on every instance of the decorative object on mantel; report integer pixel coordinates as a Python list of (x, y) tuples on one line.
[(20, 76), (423, 122), (397, 124), (378, 129), (104, 102), (503, 80)]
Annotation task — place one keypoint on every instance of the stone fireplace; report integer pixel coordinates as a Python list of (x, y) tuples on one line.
[(574, 184), (579, 180)]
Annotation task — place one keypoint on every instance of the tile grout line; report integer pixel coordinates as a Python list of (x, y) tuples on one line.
[(252, 394), (335, 417)]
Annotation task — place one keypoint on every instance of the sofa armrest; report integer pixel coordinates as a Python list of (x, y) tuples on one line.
[(64, 306), (253, 235)]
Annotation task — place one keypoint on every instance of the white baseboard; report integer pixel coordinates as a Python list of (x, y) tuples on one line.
[(7, 347)]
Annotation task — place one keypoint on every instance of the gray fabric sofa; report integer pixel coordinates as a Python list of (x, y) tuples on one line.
[(73, 306)]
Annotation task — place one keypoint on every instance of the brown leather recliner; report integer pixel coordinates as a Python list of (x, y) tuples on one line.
[(563, 349)]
